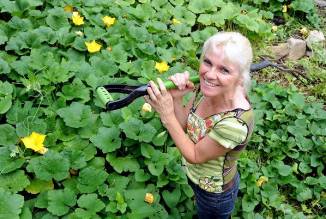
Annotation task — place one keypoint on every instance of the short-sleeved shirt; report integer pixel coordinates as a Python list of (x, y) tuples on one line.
[(231, 129)]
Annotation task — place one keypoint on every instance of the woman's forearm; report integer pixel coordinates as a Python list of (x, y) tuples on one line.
[(180, 138), (180, 112)]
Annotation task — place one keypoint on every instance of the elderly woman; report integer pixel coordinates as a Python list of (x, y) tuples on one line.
[(214, 127)]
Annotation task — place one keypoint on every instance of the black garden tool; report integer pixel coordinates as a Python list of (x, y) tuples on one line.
[(134, 92)]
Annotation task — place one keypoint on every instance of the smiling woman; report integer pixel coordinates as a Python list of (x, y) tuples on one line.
[(215, 126)]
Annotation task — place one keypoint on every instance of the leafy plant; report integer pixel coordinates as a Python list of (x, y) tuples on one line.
[(101, 165)]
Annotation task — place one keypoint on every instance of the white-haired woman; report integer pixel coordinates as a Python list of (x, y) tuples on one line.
[(214, 127)]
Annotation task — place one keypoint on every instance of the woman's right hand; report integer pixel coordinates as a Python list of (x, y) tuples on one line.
[(181, 80)]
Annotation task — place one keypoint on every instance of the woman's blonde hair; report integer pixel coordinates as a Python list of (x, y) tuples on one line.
[(237, 49)]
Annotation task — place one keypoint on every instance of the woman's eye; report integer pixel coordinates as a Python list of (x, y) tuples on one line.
[(207, 62), (225, 71)]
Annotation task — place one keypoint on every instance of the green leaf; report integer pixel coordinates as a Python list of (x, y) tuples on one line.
[(60, 201), (10, 204), (305, 168), (205, 19), (104, 66), (298, 100), (4, 67), (303, 194), (227, 12), (322, 182), (90, 202), (184, 16), (76, 157), (50, 166), (201, 6), (111, 119), (121, 164), (118, 53), (283, 169), (305, 6), (14, 181), (76, 90), (137, 130), (8, 135), (26, 127), (37, 186), (141, 176), (147, 150), (160, 138), (107, 139), (8, 163), (186, 188), (3, 39), (90, 178), (248, 204), (57, 18), (76, 115), (172, 198)]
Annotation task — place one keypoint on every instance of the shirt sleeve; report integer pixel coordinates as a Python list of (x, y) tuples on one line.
[(229, 132)]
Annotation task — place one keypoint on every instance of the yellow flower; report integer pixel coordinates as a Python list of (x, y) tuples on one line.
[(35, 142), (304, 31), (274, 28), (149, 198), (93, 46), (175, 21), (146, 108), (77, 19), (68, 8), (109, 49), (284, 9), (261, 181), (108, 21), (162, 66), (79, 33)]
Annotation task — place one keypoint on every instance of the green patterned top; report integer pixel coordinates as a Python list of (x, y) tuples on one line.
[(230, 129)]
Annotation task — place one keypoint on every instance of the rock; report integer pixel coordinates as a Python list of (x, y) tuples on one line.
[(315, 37), (279, 51), (297, 48), (321, 3)]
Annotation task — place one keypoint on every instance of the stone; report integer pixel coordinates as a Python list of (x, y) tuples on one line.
[(279, 51), (321, 3), (297, 48), (315, 37)]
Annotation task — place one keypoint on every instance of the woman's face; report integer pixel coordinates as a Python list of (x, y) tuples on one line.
[(218, 76)]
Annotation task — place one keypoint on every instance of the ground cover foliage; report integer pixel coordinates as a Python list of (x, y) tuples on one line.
[(101, 165)]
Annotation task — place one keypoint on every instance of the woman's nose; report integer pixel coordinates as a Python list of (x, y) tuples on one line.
[(211, 73)]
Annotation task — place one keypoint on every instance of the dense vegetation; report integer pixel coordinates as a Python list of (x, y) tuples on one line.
[(62, 156)]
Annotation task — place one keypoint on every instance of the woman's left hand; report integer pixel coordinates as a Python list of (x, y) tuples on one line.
[(160, 99)]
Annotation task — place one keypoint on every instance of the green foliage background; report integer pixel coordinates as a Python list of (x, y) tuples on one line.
[(100, 165)]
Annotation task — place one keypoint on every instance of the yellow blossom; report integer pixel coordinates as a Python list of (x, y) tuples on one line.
[(77, 19), (274, 28), (108, 21), (304, 31), (93, 46), (175, 21), (162, 66), (109, 49), (284, 9), (35, 142), (261, 181), (146, 107), (149, 198), (68, 8), (79, 33)]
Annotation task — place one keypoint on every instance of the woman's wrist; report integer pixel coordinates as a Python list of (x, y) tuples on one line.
[(168, 119)]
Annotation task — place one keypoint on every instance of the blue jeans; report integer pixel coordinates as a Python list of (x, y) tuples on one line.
[(215, 205)]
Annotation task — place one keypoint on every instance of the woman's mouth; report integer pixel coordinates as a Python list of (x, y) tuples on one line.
[(209, 83)]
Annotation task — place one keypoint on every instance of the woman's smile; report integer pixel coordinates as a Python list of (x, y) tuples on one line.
[(210, 84)]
